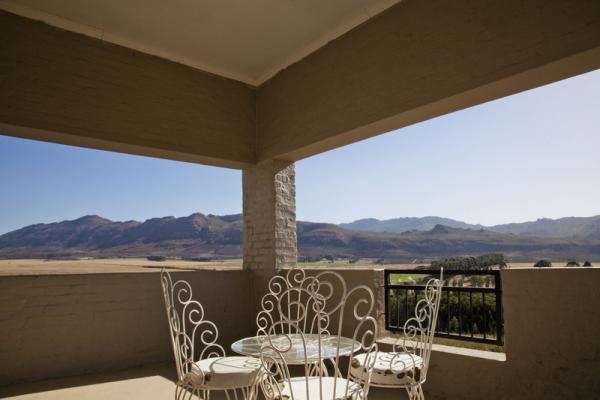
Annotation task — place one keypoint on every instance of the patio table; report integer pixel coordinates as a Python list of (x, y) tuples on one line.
[(251, 346)]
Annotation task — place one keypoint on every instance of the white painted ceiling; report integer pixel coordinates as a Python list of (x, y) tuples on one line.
[(246, 40)]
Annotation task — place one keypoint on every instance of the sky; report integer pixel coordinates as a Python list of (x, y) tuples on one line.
[(531, 155)]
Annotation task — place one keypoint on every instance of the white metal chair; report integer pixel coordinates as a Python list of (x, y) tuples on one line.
[(407, 364), (303, 321), (200, 361)]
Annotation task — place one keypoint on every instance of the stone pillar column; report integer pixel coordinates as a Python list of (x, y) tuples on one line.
[(269, 220)]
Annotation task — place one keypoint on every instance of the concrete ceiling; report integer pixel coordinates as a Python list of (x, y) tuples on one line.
[(245, 40)]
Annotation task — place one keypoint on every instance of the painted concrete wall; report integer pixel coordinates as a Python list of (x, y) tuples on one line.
[(69, 88), (64, 325), (418, 60), (552, 324)]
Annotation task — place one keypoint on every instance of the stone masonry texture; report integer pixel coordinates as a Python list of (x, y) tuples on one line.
[(269, 217), (270, 242)]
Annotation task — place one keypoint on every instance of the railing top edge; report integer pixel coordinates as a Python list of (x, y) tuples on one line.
[(446, 272), (445, 288)]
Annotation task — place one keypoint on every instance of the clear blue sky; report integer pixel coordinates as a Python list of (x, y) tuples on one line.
[(531, 155)]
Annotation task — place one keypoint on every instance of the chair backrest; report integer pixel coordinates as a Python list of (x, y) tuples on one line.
[(193, 337), (303, 323), (419, 330), (293, 304)]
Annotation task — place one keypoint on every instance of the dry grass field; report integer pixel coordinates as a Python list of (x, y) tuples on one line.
[(110, 265), (129, 265), (365, 263)]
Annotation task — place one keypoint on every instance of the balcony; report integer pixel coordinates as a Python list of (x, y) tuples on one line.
[(106, 76), (105, 335)]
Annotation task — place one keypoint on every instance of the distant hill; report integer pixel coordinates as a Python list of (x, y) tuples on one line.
[(440, 241), (570, 227), (194, 236), (218, 237), (400, 225)]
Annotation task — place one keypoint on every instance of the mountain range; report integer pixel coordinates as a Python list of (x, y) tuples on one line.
[(217, 237), (570, 227)]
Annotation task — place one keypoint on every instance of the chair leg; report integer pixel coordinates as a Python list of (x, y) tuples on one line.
[(186, 393), (182, 392), (415, 392), (243, 393)]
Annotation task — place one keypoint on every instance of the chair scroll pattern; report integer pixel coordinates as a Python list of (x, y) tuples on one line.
[(293, 304), (193, 337), (417, 340), (298, 315)]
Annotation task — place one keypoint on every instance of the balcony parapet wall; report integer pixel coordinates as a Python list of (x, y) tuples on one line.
[(552, 350), (62, 325), (55, 326)]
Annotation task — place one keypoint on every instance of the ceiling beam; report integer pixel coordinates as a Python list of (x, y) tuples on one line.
[(69, 88), (418, 60)]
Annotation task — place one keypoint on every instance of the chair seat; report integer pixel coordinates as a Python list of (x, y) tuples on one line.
[(384, 373), (296, 388), (224, 372)]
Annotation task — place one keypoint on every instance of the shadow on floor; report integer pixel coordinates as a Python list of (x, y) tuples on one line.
[(165, 371)]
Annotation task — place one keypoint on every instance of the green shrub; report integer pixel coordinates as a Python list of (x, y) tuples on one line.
[(454, 324), (484, 262), (587, 264), (572, 264), (543, 264)]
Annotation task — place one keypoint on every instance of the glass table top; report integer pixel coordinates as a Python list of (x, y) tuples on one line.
[(251, 346)]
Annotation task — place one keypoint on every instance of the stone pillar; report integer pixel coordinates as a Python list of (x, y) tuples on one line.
[(269, 220)]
